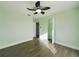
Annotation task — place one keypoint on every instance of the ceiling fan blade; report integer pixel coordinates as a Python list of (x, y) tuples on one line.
[(42, 12), (31, 9), (37, 4), (45, 8), (35, 13)]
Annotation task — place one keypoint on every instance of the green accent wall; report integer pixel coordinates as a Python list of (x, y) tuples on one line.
[(50, 29)]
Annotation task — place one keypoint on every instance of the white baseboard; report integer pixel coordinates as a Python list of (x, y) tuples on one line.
[(2, 47), (73, 47)]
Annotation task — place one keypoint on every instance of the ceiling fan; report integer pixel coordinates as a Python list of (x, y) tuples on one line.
[(38, 8)]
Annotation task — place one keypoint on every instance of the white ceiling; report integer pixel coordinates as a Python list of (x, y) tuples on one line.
[(56, 6)]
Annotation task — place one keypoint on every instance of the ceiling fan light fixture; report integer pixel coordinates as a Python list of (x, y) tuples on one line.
[(38, 10), (42, 12)]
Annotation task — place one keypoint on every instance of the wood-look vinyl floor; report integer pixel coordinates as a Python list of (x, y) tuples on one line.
[(36, 48)]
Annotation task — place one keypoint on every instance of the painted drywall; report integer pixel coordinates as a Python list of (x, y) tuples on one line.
[(50, 29), (67, 28), (15, 27), (46, 28), (43, 25)]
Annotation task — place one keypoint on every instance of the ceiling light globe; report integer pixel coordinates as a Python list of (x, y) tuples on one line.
[(38, 10)]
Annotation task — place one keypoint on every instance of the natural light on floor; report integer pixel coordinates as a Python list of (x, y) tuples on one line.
[(45, 36), (44, 39)]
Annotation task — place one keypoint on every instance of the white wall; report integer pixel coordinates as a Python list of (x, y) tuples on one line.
[(67, 28), (15, 27), (46, 28)]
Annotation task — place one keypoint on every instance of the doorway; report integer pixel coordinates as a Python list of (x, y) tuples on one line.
[(45, 29), (37, 29)]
